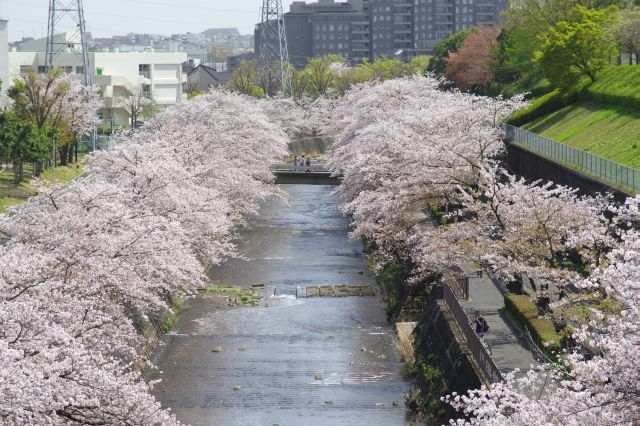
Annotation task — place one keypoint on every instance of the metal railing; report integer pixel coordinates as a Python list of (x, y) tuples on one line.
[(478, 350), (609, 171), (288, 167), (458, 282)]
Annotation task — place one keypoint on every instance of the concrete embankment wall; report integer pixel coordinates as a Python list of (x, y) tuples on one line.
[(532, 166), (442, 363), (439, 347)]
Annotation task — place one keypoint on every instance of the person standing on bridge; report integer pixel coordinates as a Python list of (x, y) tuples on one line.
[(308, 165), (302, 163), (481, 324), (295, 163)]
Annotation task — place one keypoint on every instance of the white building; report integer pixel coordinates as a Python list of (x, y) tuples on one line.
[(4, 62), (118, 74)]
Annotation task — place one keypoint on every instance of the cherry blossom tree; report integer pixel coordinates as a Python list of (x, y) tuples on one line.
[(404, 146), (83, 265), (599, 383), (422, 181)]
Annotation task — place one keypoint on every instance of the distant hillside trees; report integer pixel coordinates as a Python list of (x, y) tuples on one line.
[(576, 48), (326, 76), (626, 31)]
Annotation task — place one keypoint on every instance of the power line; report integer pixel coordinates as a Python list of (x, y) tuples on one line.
[(136, 18)]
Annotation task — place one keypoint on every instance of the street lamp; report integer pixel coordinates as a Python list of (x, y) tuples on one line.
[(53, 139)]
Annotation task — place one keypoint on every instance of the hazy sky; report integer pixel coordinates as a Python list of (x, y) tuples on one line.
[(118, 17)]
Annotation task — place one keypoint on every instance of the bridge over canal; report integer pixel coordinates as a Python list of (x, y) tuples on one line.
[(317, 174)]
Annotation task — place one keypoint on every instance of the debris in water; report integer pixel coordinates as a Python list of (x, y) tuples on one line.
[(242, 349), (217, 349), (318, 376), (363, 349), (328, 402), (379, 404), (396, 403), (237, 387)]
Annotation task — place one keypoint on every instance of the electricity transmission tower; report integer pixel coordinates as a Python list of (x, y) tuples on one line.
[(65, 12), (274, 54)]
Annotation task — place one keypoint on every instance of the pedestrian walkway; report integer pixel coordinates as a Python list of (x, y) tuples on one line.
[(509, 347)]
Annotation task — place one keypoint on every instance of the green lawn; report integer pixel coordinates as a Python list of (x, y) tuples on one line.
[(11, 194), (616, 85), (63, 174), (7, 202), (606, 130)]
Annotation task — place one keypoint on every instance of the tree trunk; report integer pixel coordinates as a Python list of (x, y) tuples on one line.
[(17, 172), (64, 154), (70, 153)]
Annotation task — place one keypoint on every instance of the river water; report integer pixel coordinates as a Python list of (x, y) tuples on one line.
[(288, 361)]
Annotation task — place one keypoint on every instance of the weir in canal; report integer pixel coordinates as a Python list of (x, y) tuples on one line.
[(289, 360)]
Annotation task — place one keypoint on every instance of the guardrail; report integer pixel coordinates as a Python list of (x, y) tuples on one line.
[(478, 350), (288, 167), (599, 167), (458, 281)]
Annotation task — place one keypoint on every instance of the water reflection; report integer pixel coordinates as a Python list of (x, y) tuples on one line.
[(288, 361)]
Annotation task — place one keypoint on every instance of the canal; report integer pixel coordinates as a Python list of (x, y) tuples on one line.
[(287, 361)]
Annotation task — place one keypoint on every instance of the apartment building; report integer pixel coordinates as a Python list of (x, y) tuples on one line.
[(434, 20), (157, 74), (369, 29), (325, 27)]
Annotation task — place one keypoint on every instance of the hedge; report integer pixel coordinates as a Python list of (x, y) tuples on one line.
[(543, 105), (525, 311)]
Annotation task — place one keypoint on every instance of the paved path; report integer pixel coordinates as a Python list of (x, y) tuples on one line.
[(509, 348)]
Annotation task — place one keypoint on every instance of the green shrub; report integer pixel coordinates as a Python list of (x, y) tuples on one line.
[(543, 105), (525, 312), (617, 86), (521, 306), (171, 316)]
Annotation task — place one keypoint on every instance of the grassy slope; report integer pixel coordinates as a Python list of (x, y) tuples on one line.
[(11, 195), (603, 120), (609, 131)]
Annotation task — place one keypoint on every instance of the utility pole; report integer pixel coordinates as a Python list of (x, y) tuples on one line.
[(273, 54), (54, 158), (63, 12)]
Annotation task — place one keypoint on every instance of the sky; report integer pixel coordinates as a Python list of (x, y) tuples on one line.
[(105, 18)]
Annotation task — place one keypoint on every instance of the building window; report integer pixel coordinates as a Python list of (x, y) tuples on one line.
[(146, 90), (144, 70), (80, 70), (27, 69)]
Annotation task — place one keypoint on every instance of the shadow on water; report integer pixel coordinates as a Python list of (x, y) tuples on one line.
[(287, 361)]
